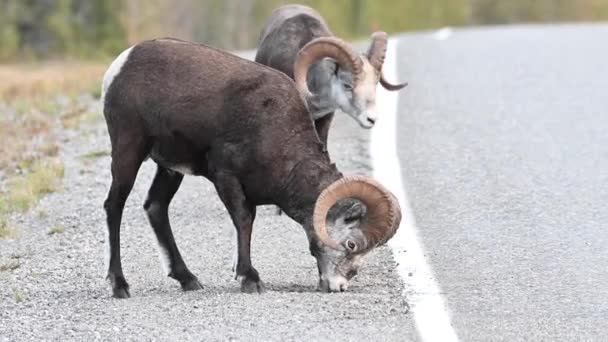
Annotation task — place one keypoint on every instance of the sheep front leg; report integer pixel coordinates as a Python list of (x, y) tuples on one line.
[(242, 214)]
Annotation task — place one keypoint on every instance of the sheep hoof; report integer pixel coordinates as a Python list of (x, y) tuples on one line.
[(252, 286), (120, 287), (121, 292), (191, 284)]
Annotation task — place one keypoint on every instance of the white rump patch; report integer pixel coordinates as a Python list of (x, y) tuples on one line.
[(114, 70)]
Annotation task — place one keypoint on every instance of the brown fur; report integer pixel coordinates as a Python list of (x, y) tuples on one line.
[(240, 124), (288, 29)]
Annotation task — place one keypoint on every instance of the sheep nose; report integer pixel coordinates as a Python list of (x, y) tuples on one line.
[(338, 284), (371, 121), (333, 284)]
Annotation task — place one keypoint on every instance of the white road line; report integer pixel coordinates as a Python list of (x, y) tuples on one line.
[(421, 289)]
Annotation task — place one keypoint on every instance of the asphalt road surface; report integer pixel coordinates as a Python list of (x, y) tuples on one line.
[(503, 143), (504, 154)]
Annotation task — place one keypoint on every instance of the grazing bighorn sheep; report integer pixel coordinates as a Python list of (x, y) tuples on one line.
[(298, 42), (198, 110)]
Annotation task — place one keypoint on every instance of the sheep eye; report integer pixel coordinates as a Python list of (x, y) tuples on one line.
[(347, 86), (351, 245)]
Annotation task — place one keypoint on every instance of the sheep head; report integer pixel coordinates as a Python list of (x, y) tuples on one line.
[(354, 77), (360, 226)]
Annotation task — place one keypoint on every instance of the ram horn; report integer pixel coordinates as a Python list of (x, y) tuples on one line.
[(389, 86), (377, 50), (378, 225), (320, 48)]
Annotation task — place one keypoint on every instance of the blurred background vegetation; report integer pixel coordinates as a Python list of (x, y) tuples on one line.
[(99, 28)]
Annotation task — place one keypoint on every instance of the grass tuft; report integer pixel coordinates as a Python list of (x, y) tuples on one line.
[(42, 214), (6, 230), (25, 138), (44, 178), (58, 229), (18, 296), (95, 155), (36, 101), (10, 265)]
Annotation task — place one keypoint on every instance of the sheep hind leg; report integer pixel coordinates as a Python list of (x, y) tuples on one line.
[(128, 154), (242, 214), (164, 186)]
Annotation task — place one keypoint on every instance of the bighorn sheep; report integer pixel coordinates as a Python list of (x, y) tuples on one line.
[(198, 110), (297, 41)]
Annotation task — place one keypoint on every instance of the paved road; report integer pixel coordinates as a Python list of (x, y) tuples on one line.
[(503, 145)]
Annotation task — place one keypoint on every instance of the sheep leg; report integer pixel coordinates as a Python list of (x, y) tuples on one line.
[(164, 186), (242, 214), (127, 156)]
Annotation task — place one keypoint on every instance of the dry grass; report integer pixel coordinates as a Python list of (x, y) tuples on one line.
[(33, 104), (43, 178), (77, 115), (39, 82), (10, 265), (25, 138), (95, 155), (36, 102), (18, 295), (6, 230), (58, 229), (23, 191)]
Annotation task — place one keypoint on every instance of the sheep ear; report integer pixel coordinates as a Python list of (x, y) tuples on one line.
[(355, 212), (331, 65)]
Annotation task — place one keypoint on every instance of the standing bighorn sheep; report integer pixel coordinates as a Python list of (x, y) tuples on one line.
[(198, 110), (298, 42)]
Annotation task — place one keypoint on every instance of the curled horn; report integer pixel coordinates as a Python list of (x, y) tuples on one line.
[(320, 48), (389, 86), (377, 50), (378, 225), (376, 55)]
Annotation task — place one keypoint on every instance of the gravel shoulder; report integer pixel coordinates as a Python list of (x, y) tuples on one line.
[(58, 291)]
